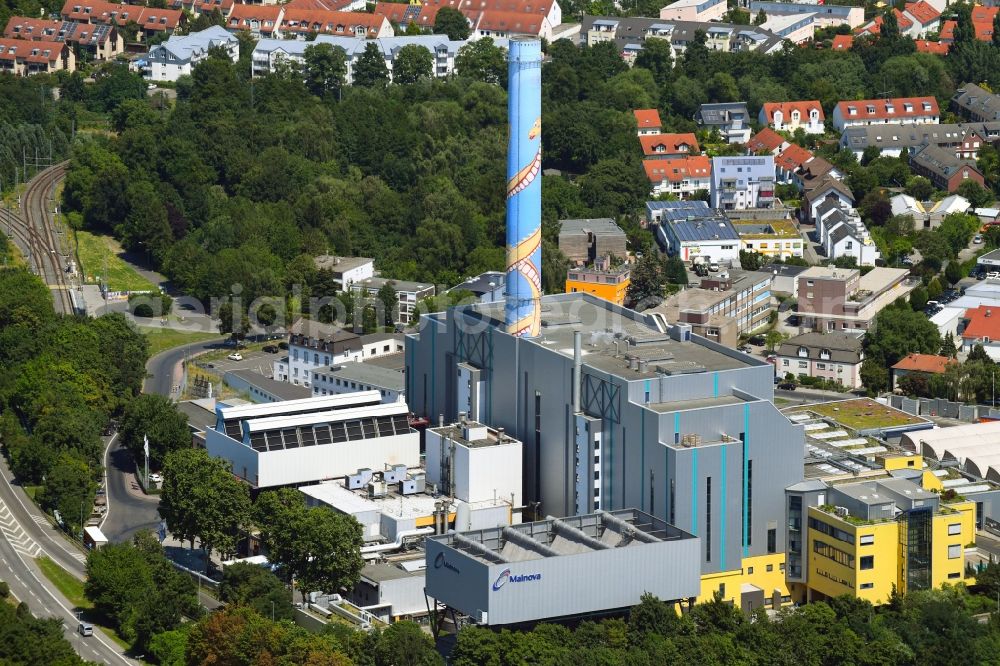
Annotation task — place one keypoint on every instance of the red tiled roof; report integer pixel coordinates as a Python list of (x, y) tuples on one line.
[(766, 140), (875, 27), (931, 363), (926, 46), (517, 6), (331, 23), (842, 42), (208, 5), (786, 108), (984, 322), (391, 10), (98, 11), (923, 12), (792, 158), (672, 143), (984, 30), (509, 22), (881, 108), (325, 5), (31, 51), (982, 14), (947, 31), (22, 27), (676, 169), (646, 118)]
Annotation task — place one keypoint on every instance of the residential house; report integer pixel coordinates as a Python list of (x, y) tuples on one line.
[(924, 17), (931, 215), (694, 10), (647, 121), (497, 17), (795, 28), (982, 328), (680, 176), (841, 233), (943, 168), (313, 345), (504, 25), (662, 146), (826, 188), (790, 116), (23, 58), (835, 357), (742, 182), (893, 140), (724, 306), (767, 141), (976, 103), (259, 20), (301, 23), (812, 171), (789, 161), (730, 119), (583, 241), (825, 15), (346, 270), (698, 234), (603, 278), (408, 294), (199, 7), (841, 42), (101, 41), (841, 299), (630, 33), (270, 52), (934, 48), (922, 365), (178, 55), (886, 111), (330, 5), (777, 239), (150, 20)]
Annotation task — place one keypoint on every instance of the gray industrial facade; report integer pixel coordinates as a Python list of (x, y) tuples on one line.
[(561, 567), (660, 420)]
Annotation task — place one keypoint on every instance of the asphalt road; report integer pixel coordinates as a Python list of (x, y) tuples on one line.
[(127, 513), (160, 369)]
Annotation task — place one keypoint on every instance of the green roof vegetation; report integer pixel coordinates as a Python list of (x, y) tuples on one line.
[(861, 414)]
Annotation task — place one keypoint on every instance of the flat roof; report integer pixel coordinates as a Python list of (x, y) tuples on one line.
[(398, 285), (282, 390), (879, 278), (386, 571), (456, 432), (340, 264), (370, 375), (334, 494), (606, 328), (861, 414), (555, 537), (697, 403), (305, 405)]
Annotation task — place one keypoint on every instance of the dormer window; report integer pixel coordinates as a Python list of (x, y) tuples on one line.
[(852, 110), (824, 354), (803, 352), (871, 108), (908, 107), (927, 106)]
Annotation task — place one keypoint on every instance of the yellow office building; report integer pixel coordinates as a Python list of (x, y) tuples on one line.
[(864, 538), (611, 284)]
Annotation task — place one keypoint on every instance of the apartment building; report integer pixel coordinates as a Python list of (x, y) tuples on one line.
[(177, 56), (101, 41), (666, 146), (742, 182), (408, 293), (826, 16), (976, 103), (602, 279), (630, 33), (965, 139), (681, 176), (313, 345), (841, 299), (834, 356), (345, 270), (944, 168), (730, 119), (891, 111), (694, 10), (790, 116), (23, 58)]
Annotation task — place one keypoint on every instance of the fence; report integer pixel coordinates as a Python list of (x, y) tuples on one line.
[(944, 408)]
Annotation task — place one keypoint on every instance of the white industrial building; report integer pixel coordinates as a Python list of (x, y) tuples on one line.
[(178, 55), (313, 439), (356, 376)]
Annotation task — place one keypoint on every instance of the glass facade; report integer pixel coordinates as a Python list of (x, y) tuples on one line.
[(915, 541)]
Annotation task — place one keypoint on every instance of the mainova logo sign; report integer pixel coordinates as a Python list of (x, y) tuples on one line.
[(440, 562), (507, 577)]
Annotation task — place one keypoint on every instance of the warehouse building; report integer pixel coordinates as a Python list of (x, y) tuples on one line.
[(616, 410), (559, 568), (313, 439)]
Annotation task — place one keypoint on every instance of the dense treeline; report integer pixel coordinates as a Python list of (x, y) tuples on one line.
[(31, 124), (928, 628), (26, 640), (63, 379)]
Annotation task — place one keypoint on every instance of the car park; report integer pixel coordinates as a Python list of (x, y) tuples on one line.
[(235, 356)]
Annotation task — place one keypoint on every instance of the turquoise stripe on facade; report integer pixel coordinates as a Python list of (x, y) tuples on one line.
[(715, 385)]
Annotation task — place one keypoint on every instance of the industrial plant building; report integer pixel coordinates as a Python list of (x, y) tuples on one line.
[(617, 411), (562, 567)]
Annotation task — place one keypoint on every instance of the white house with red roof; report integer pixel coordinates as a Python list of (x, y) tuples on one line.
[(149, 19), (766, 141), (896, 110), (680, 176), (694, 10), (647, 121), (917, 19), (258, 20), (982, 328), (790, 116), (662, 146)]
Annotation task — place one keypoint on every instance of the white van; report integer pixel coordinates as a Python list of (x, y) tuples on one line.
[(85, 629)]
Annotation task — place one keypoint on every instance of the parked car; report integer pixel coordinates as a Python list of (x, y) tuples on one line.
[(235, 356), (786, 386), (714, 267), (156, 478), (282, 345), (746, 349), (977, 239), (271, 349), (757, 340)]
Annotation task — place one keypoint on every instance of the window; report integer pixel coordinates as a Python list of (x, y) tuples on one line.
[(955, 574), (954, 529), (772, 540), (803, 364), (954, 551), (866, 539), (722, 590), (770, 568), (867, 586), (833, 553), (868, 562), (781, 567), (708, 519), (750, 571)]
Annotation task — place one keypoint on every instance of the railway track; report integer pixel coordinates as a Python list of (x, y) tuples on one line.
[(33, 227)]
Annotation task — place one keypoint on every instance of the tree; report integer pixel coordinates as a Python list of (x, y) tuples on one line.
[(201, 499), (948, 347), (389, 300), (482, 60), (919, 188), (646, 284), (156, 418), (226, 324), (773, 339), (761, 18), (919, 298), (453, 23), (317, 546), (674, 271), (325, 69), (953, 272), (890, 26), (413, 63), (29, 640), (255, 586), (978, 354), (965, 31), (69, 489), (750, 260), (370, 70), (406, 644), (977, 195)]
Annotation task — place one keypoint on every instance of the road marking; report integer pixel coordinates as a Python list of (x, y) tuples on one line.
[(107, 485), (15, 534)]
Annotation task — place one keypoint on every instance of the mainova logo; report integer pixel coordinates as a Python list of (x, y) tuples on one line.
[(507, 577), (440, 562)]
